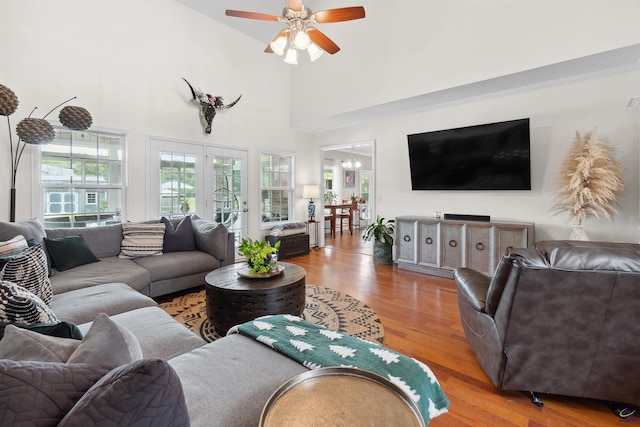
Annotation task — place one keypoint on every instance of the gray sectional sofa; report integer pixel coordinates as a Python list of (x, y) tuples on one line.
[(225, 383)]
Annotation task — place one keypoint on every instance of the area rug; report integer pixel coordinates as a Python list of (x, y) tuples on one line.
[(324, 306)]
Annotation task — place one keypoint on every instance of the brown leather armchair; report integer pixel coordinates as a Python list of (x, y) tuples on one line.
[(561, 318)]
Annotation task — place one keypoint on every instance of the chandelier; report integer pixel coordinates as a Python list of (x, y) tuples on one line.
[(351, 163)]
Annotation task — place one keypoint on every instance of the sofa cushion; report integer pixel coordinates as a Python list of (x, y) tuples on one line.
[(18, 305), (29, 269), (13, 246), (68, 252), (211, 237), (40, 393), (241, 376), (180, 237), (140, 240), (107, 343), (31, 229), (178, 264), (82, 305), (108, 270), (23, 344), (144, 393), (104, 241)]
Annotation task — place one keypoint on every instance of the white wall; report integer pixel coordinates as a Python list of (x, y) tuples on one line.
[(556, 113), (423, 46), (124, 60)]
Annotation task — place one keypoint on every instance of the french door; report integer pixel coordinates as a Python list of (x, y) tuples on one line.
[(226, 178), (193, 178)]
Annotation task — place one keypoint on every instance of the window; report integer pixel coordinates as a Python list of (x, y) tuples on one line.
[(276, 188), (81, 177), (177, 184)]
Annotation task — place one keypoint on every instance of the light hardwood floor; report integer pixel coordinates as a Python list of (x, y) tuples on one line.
[(420, 318)]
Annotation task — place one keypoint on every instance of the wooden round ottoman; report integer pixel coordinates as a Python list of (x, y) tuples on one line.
[(232, 299)]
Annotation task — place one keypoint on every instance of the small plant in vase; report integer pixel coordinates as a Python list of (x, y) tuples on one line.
[(382, 233), (259, 255)]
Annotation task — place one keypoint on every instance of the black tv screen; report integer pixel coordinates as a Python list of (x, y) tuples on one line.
[(494, 156)]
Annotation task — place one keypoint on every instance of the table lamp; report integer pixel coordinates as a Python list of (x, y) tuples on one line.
[(311, 192)]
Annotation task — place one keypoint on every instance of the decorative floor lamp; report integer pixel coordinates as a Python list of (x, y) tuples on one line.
[(35, 131)]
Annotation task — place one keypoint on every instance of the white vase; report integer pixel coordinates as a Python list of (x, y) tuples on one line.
[(579, 233)]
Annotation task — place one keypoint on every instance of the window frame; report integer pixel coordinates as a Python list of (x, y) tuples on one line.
[(290, 189), (39, 187)]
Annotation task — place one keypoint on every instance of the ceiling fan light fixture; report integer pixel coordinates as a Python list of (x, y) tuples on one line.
[(314, 51), (301, 40), (292, 56), (278, 45)]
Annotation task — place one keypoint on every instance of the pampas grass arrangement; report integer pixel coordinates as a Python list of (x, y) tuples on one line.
[(590, 181)]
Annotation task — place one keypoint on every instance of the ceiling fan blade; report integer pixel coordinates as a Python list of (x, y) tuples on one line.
[(319, 38), (251, 15), (294, 4), (339, 15)]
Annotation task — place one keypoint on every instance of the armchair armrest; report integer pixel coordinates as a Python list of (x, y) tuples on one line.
[(473, 286)]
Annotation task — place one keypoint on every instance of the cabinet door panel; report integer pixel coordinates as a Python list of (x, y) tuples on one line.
[(407, 241), (452, 245), (429, 243), (509, 237), (479, 248)]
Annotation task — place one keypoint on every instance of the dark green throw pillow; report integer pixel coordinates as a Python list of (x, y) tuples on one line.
[(60, 329), (68, 252)]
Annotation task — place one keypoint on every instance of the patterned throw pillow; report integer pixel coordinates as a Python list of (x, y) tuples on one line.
[(140, 240), (13, 246), (29, 269), (18, 305)]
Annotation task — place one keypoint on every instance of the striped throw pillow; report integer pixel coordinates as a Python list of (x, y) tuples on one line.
[(18, 305), (29, 269), (13, 246), (139, 240)]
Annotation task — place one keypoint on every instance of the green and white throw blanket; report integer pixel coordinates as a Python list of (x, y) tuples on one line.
[(315, 347)]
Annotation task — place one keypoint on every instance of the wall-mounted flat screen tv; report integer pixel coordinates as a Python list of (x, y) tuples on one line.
[(493, 156)]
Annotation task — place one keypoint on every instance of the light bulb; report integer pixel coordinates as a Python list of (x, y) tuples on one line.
[(314, 51), (277, 46), (292, 56), (302, 40)]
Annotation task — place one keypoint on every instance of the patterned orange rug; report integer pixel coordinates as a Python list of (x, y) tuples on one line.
[(324, 306)]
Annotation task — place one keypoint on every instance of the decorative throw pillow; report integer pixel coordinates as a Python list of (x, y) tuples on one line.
[(40, 393), (29, 269), (68, 252), (59, 329), (13, 246), (18, 305), (107, 343), (180, 238), (211, 237), (146, 392), (140, 240), (23, 344)]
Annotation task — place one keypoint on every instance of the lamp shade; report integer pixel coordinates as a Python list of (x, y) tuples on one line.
[(8, 101), (75, 118), (311, 192), (35, 131)]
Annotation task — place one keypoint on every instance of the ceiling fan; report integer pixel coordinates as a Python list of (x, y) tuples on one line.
[(300, 33)]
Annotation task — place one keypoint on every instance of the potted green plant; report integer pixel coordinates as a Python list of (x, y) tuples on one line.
[(259, 255), (382, 233)]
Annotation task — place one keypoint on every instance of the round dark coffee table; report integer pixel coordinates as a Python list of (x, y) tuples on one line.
[(232, 299)]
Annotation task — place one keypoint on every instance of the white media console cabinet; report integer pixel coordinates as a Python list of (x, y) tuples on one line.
[(439, 246)]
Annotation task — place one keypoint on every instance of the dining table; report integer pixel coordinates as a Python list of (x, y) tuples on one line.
[(343, 208)]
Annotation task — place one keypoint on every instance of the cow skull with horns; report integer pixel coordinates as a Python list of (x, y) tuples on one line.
[(209, 105)]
